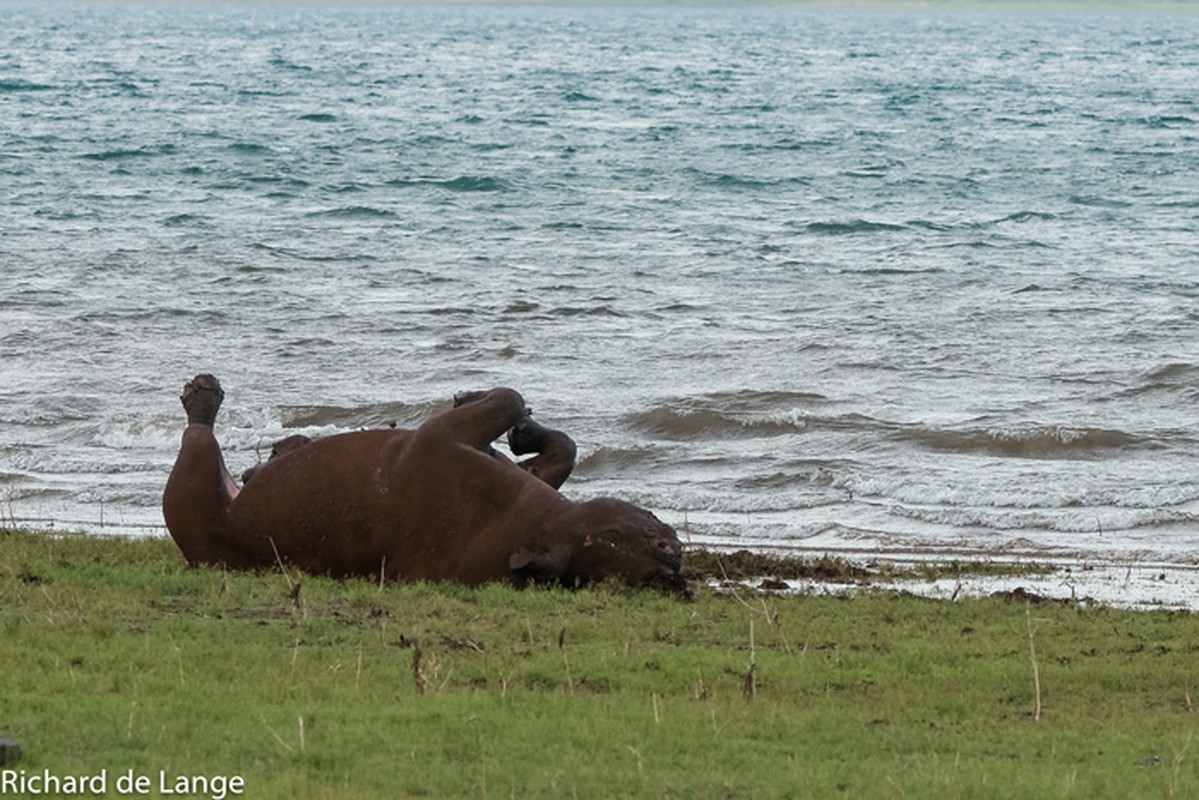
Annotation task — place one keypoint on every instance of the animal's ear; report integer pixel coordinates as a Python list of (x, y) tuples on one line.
[(541, 563)]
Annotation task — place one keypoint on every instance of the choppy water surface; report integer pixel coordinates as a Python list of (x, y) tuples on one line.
[(847, 283)]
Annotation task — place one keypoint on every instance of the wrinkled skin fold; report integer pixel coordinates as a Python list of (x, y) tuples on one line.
[(435, 503)]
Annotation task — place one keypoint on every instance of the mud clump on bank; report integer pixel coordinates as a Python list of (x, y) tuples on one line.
[(746, 567)]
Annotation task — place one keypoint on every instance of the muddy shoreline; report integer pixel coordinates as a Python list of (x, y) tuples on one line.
[(950, 575)]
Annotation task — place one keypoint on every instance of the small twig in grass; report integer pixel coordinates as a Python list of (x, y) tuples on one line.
[(570, 684), (657, 717), (1032, 654), (737, 595), (301, 733), (50, 613), (132, 708), (382, 572), (418, 676), (278, 738), (749, 686), (1190, 706), (637, 753), (771, 618), (279, 561), (1178, 754)]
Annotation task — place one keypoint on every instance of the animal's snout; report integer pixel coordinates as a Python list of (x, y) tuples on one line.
[(668, 547)]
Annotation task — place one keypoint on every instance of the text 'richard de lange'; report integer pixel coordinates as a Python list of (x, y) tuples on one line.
[(26, 783)]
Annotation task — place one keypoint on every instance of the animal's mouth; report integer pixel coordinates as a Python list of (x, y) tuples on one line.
[(670, 552), (668, 579)]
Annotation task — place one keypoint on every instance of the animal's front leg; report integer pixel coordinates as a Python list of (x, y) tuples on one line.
[(555, 458)]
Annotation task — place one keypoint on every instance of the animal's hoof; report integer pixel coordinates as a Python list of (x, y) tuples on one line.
[(527, 436), (201, 398)]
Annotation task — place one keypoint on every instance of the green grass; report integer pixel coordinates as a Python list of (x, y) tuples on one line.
[(114, 655)]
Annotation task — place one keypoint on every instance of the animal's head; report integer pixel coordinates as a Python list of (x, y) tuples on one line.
[(601, 539)]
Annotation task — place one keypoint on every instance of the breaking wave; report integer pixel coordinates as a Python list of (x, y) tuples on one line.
[(684, 423), (1031, 442), (1182, 378)]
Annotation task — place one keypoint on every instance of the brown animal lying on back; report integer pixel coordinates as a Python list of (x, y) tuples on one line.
[(435, 503)]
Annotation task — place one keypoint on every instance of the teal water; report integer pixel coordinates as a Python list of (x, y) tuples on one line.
[(848, 283)]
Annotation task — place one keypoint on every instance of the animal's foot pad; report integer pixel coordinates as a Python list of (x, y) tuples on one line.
[(527, 436), (201, 398)]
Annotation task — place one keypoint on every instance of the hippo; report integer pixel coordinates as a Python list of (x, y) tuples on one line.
[(434, 503), (554, 462)]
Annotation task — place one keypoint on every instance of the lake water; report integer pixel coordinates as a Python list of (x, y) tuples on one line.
[(838, 283)]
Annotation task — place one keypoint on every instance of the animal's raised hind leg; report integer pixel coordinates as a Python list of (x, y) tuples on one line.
[(200, 488), (477, 418)]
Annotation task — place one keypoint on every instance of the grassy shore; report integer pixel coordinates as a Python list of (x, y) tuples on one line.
[(115, 657)]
